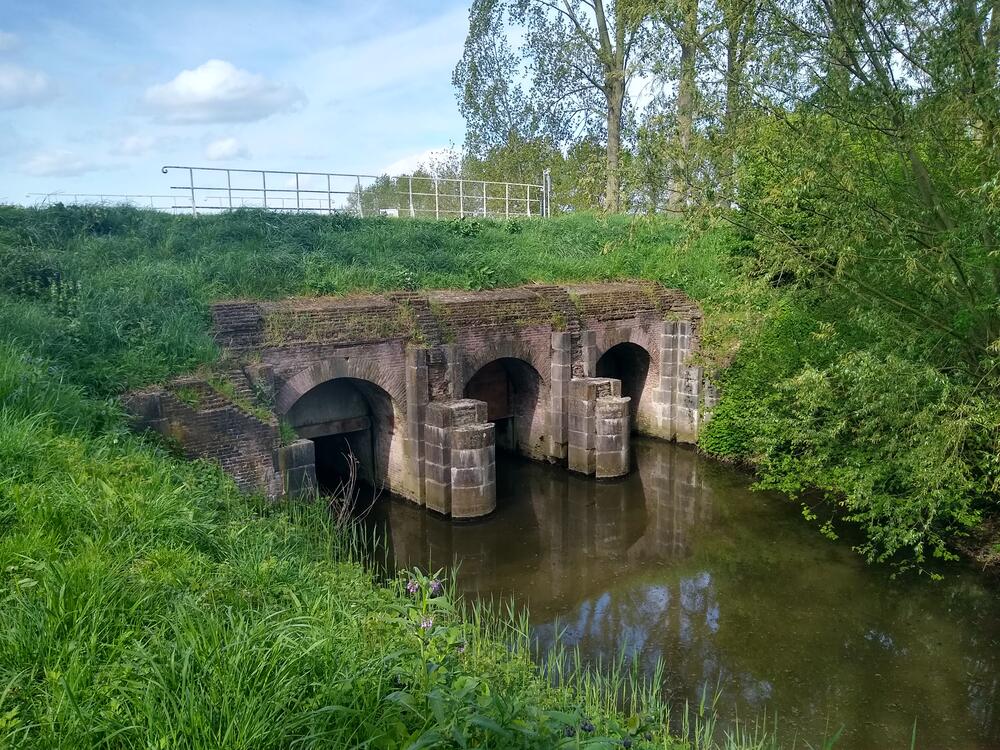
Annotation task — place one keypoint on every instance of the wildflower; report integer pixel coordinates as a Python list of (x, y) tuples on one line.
[(412, 587), (587, 725), (427, 623), (437, 588), (570, 732), (627, 742), (460, 648)]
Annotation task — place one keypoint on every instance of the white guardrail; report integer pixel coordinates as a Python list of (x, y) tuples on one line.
[(213, 189)]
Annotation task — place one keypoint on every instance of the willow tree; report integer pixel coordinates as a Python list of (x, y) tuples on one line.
[(568, 79)]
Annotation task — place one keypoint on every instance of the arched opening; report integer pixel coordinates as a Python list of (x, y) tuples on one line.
[(628, 363), (349, 421), (510, 388)]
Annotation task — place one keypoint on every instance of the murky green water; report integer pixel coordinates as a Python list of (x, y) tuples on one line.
[(733, 591)]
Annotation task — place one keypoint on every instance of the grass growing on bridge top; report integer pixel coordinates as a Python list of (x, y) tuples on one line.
[(120, 296)]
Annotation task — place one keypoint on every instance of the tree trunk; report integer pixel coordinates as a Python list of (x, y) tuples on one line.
[(688, 39), (615, 94)]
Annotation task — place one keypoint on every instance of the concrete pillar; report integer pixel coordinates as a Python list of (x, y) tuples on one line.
[(588, 352), (459, 459), (417, 396), (559, 378), (611, 446), (584, 396), (453, 370), (296, 464), (473, 470), (679, 392)]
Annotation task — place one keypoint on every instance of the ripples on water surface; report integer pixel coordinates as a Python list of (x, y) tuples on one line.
[(732, 590)]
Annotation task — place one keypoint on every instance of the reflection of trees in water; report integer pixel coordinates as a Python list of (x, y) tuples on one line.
[(679, 562)]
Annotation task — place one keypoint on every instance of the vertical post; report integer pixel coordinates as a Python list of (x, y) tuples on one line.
[(484, 199), (194, 210), (437, 210), (329, 201), (461, 200), (361, 209), (263, 181), (229, 189), (411, 196), (527, 198), (297, 192), (506, 200), (547, 190)]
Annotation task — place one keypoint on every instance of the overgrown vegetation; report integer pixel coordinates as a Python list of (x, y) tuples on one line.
[(148, 604), (820, 389)]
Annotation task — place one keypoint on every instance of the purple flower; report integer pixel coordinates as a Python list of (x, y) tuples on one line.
[(427, 623), (587, 725), (436, 587), (412, 587)]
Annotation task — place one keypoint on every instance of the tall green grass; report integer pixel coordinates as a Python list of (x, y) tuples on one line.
[(119, 297)]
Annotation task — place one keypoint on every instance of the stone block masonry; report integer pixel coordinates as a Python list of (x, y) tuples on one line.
[(598, 427), (428, 386)]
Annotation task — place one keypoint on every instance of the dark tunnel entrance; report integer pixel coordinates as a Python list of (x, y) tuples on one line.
[(628, 363), (510, 389), (350, 422)]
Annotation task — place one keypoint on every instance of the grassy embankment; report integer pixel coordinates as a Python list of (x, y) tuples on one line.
[(147, 604)]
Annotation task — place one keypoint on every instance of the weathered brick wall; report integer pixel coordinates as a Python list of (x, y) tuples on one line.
[(421, 348), (212, 428)]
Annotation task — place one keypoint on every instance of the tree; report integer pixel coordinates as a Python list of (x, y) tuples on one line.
[(578, 55)]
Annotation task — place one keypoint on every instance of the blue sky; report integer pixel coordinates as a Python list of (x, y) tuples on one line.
[(95, 96)]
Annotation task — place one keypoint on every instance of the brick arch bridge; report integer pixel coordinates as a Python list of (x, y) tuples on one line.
[(427, 385)]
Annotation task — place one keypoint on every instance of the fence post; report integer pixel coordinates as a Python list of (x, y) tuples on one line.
[(329, 202), (506, 200), (484, 199), (229, 189), (411, 196), (297, 192), (361, 209), (547, 189), (194, 210), (461, 200), (527, 199), (263, 182), (437, 210)]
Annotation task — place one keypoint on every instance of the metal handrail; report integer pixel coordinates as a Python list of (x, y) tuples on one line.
[(355, 198)]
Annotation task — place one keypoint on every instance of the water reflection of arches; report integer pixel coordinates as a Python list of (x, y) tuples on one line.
[(573, 536), (347, 416), (511, 388)]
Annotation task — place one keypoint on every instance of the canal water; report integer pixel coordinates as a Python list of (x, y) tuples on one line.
[(734, 592)]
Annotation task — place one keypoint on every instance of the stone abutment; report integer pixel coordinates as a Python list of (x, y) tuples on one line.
[(418, 391)]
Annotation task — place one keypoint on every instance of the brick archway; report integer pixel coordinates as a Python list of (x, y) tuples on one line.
[(358, 368)]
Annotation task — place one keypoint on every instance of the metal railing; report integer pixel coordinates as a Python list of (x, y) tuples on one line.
[(210, 189), (139, 200)]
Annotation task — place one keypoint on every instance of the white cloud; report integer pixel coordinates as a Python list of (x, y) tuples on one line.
[(57, 163), (136, 145), (226, 148), (218, 91), (21, 87), (428, 159), (8, 41)]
